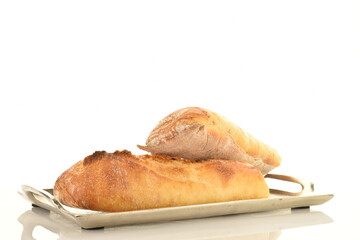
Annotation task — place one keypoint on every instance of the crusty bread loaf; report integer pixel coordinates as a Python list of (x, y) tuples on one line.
[(197, 133), (121, 181)]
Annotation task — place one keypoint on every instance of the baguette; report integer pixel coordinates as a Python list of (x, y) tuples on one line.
[(120, 181), (197, 133)]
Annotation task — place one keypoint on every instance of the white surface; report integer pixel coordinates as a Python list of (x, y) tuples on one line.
[(328, 221), (76, 77)]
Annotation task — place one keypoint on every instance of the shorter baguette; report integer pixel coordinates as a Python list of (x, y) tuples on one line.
[(121, 181), (197, 133)]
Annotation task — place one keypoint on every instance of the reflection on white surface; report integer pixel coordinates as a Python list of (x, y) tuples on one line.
[(256, 226)]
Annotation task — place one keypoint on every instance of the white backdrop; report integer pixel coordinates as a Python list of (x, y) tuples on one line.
[(77, 77)]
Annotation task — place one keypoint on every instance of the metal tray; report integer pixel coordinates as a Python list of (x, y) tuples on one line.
[(88, 219)]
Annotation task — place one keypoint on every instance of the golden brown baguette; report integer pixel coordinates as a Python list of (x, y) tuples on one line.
[(197, 133), (121, 181)]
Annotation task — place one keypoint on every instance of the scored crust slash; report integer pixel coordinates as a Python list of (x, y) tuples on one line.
[(197, 157)]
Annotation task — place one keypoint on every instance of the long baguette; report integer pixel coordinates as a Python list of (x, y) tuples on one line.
[(121, 181)]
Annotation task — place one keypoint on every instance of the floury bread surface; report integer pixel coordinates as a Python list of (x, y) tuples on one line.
[(121, 181), (197, 133)]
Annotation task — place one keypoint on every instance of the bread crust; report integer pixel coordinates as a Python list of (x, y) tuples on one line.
[(121, 181), (197, 133)]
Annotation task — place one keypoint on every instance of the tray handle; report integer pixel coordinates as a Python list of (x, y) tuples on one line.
[(307, 187), (47, 201)]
